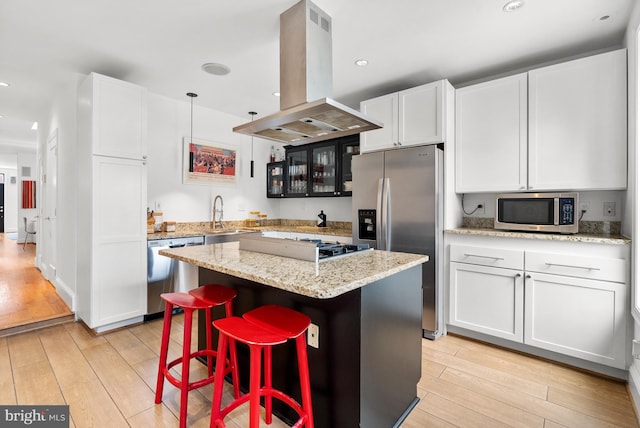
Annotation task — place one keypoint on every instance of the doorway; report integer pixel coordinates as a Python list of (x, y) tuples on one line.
[(1, 202)]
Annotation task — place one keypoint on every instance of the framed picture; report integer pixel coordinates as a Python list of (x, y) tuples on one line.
[(28, 194), (207, 162)]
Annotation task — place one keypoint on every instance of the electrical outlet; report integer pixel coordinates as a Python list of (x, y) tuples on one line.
[(584, 206), (636, 349), (609, 209), (481, 206), (313, 336)]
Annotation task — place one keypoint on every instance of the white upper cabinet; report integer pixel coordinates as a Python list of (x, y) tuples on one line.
[(578, 124), (561, 127), (491, 136), (119, 115), (410, 117)]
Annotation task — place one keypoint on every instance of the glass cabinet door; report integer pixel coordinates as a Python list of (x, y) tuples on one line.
[(349, 147), (324, 169), (297, 172), (275, 180)]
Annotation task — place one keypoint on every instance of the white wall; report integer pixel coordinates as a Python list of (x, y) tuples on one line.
[(595, 200), (630, 225), (61, 118), (169, 123), (26, 159)]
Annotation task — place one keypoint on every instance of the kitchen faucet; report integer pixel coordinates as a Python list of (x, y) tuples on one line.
[(215, 222)]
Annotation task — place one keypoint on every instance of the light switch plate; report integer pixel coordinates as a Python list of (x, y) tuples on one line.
[(313, 336)]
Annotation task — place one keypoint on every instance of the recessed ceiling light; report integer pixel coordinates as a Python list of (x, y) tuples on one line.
[(604, 17), (361, 62), (276, 94), (4, 84), (215, 68), (513, 5)]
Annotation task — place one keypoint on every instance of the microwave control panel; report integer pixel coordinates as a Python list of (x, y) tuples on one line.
[(567, 210)]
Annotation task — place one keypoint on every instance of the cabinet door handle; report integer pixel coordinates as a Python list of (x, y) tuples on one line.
[(528, 276), (518, 275), (483, 257), (572, 266)]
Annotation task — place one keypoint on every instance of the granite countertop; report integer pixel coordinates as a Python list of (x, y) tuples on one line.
[(335, 276), (204, 228), (578, 237)]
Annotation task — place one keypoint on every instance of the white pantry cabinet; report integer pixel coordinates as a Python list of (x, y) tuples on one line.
[(111, 209), (569, 298), (561, 127), (410, 117)]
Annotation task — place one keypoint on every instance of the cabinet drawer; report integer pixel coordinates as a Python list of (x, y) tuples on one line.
[(601, 268), (486, 256)]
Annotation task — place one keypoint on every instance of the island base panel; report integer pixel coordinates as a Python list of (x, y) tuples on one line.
[(365, 371)]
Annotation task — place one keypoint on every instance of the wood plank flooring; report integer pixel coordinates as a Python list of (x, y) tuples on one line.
[(109, 380), (470, 384), (27, 300)]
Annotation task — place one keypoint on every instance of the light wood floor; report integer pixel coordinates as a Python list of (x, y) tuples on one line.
[(26, 298), (109, 380)]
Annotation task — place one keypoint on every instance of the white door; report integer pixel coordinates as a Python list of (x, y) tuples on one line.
[(487, 300), (49, 226), (578, 317)]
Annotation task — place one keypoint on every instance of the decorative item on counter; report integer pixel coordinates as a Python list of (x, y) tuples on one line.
[(157, 221), (150, 222), (252, 222), (169, 226), (322, 219)]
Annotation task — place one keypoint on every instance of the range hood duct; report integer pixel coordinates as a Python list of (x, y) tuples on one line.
[(307, 114)]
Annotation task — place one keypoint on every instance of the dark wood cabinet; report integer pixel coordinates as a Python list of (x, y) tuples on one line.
[(314, 170), (275, 179)]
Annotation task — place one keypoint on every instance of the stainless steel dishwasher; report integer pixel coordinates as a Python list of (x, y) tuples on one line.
[(161, 271)]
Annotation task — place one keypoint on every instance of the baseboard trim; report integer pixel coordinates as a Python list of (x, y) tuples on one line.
[(634, 386)]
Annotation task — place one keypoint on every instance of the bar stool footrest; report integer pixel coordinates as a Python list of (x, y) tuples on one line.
[(303, 417), (198, 383)]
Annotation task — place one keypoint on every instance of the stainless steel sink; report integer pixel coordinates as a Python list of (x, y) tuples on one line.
[(224, 235)]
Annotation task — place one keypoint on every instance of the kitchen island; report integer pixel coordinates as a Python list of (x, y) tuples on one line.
[(368, 309)]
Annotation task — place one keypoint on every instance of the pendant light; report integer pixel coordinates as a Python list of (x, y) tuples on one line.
[(252, 113), (192, 96)]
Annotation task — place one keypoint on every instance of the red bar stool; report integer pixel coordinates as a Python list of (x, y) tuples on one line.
[(217, 295), (189, 304), (262, 328)]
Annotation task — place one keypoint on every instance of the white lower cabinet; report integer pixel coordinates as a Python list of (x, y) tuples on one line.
[(572, 302), (487, 300), (574, 316)]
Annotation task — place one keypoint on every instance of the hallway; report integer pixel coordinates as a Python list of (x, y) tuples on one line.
[(27, 300)]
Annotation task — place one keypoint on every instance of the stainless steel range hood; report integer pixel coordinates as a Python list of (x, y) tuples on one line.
[(307, 114)]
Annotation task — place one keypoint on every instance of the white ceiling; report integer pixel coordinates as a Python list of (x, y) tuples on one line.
[(161, 45)]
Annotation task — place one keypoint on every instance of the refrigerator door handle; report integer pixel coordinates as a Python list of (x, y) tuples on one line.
[(386, 230), (379, 218)]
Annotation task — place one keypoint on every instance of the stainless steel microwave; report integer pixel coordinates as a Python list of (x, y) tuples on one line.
[(537, 212)]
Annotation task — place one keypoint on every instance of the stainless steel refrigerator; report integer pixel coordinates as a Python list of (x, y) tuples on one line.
[(397, 206)]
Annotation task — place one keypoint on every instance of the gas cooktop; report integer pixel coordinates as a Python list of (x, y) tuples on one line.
[(333, 249)]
